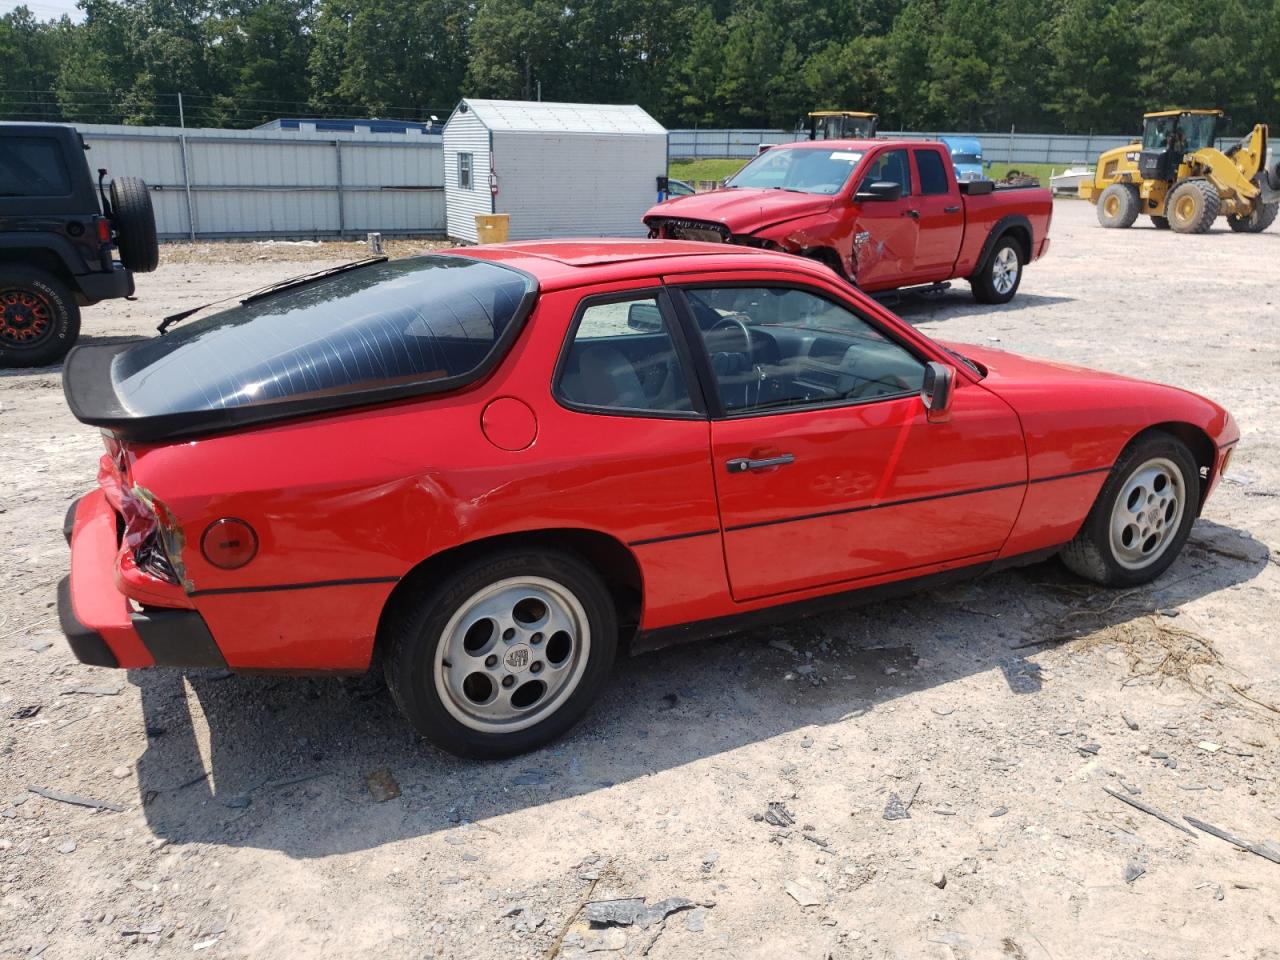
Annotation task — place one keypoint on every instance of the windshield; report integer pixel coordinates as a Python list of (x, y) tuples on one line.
[(800, 169), (966, 158), (1182, 133)]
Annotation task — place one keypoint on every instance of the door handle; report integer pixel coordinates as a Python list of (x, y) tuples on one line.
[(743, 464), (950, 209), (913, 214)]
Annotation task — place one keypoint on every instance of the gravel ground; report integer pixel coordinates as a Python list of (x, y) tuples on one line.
[(996, 715)]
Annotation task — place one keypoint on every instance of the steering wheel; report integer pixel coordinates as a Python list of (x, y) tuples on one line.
[(734, 321)]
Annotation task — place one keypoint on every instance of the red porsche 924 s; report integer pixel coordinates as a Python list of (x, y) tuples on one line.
[(490, 469)]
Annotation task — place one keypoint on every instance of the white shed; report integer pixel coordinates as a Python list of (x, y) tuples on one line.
[(558, 169)]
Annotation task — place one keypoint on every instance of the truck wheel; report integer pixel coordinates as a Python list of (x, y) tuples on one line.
[(1261, 217), (1160, 223), (502, 655), (39, 319), (998, 278), (135, 223), (1192, 206), (1118, 206), (1142, 516)]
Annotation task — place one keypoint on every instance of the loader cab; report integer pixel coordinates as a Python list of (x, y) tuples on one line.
[(842, 125), (1170, 135)]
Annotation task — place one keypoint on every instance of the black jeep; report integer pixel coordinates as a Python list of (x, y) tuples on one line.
[(58, 236)]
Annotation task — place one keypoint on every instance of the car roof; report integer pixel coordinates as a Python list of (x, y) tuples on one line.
[(557, 264), (862, 145)]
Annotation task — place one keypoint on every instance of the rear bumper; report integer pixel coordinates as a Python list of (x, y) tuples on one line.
[(101, 625), (93, 287)]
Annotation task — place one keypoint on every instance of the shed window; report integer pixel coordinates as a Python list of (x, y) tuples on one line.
[(464, 171)]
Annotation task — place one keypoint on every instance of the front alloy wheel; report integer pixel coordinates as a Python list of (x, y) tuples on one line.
[(1142, 516), (501, 655)]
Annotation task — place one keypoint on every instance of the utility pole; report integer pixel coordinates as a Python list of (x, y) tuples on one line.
[(539, 91), (186, 168)]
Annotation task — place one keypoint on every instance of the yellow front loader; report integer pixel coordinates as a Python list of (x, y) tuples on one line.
[(1178, 178)]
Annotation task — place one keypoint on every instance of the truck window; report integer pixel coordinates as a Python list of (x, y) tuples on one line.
[(892, 167), (32, 167), (933, 175)]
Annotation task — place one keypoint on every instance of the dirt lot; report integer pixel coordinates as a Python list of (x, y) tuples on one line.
[(243, 826)]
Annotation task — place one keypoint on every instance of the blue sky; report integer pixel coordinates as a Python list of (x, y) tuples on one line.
[(45, 9)]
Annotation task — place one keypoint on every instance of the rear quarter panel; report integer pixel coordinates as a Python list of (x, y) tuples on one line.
[(352, 502), (995, 212)]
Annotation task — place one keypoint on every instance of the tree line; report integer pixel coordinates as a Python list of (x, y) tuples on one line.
[(1040, 65)]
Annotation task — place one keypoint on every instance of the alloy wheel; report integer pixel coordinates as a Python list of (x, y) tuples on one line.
[(1004, 270), (1147, 513), (512, 654)]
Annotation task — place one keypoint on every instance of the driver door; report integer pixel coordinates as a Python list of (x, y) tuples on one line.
[(826, 468), (886, 231)]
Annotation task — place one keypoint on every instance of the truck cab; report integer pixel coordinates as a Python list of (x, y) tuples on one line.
[(966, 157)]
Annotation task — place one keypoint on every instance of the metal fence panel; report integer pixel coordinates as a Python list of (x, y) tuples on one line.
[(1062, 149), (261, 184)]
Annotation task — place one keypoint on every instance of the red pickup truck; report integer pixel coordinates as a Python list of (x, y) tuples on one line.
[(881, 213)]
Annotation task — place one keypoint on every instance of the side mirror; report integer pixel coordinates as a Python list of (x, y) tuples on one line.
[(935, 391), (879, 190), (644, 318)]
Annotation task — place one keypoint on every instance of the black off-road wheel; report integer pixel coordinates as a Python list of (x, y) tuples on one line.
[(1142, 517), (1118, 206), (503, 654), (1262, 216), (1192, 206), (1000, 275), (1160, 223), (39, 318), (135, 223)]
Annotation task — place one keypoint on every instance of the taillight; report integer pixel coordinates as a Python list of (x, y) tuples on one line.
[(229, 543), (104, 231)]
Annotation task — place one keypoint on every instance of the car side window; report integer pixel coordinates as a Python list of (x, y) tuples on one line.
[(892, 167), (772, 348), (621, 356), (32, 167), (933, 173)]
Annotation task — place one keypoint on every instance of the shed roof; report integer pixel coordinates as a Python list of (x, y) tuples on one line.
[(543, 117)]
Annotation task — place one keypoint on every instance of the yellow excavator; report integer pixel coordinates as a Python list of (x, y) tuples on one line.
[(1178, 178)]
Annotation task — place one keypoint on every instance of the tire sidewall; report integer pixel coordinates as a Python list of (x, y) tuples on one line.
[(1098, 525), (984, 287), (410, 660), (65, 313)]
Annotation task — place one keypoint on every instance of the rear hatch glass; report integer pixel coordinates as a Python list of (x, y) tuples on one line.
[(379, 332)]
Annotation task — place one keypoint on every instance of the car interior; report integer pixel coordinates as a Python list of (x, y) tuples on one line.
[(769, 348)]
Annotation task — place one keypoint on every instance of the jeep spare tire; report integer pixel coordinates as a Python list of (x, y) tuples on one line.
[(135, 223)]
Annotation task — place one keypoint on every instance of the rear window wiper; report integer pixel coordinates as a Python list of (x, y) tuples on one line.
[(271, 288)]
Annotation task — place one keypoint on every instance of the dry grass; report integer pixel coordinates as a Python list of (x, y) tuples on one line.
[(290, 251)]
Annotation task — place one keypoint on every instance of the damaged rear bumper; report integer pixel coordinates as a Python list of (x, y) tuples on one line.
[(100, 623)]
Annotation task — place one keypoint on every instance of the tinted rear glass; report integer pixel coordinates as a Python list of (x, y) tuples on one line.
[(32, 167), (431, 320)]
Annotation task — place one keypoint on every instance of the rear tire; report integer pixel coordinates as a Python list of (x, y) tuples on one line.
[(1118, 206), (135, 223), (1192, 206), (1263, 215), (1160, 223), (462, 659), (999, 277), (1142, 517), (39, 318)]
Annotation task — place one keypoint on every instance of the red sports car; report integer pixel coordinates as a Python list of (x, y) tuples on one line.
[(491, 469)]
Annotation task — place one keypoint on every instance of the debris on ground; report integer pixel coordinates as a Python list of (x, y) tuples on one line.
[(382, 785), (1149, 810), (1263, 850), (777, 815), (75, 800), (1133, 870), (804, 892), (895, 809), (633, 911)]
